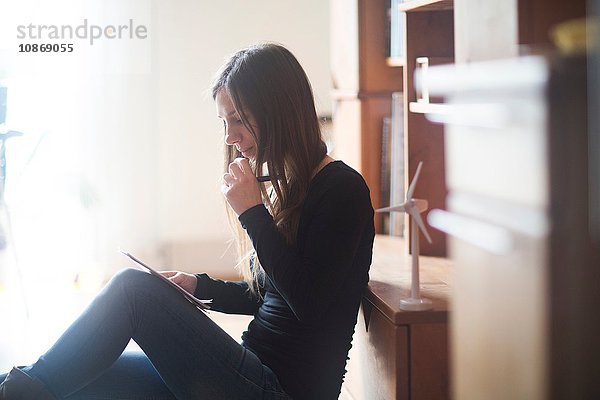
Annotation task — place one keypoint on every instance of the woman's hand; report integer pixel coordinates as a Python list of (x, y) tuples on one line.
[(188, 282), (240, 187)]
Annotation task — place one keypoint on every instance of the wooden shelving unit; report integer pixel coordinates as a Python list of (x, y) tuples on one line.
[(364, 80), (424, 140), (469, 31)]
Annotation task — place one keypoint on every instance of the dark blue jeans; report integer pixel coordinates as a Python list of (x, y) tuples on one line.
[(187, 356)]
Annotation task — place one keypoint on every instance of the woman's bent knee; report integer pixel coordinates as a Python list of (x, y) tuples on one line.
[(129, 275), (130, 278)]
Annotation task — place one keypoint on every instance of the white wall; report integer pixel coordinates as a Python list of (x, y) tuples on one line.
[(194, 38), (83, 179), (133, 123)]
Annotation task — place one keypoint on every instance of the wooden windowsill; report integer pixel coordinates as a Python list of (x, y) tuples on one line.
[(390, 281)]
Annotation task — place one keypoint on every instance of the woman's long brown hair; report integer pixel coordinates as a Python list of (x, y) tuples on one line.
[(267, 82)]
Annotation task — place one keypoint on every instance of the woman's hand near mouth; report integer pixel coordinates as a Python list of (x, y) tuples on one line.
[(240, 186)]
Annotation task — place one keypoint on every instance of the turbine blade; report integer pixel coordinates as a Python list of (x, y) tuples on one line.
[(413, 184), (401, 208), (417, 218)]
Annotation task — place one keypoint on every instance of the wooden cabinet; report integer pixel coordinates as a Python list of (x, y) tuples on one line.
[(508, 155), (518, 217), (398, 354)]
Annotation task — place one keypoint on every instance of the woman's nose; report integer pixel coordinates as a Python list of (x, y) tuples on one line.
[(231, 137)]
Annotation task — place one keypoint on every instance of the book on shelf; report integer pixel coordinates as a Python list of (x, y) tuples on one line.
[(392, 166), (386, 165), (397, 30), (397, 164)]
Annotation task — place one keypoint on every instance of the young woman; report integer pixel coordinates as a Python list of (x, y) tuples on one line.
[(305, 251)]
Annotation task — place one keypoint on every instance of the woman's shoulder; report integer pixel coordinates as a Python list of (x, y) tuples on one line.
[(339, 178), (340, 172)]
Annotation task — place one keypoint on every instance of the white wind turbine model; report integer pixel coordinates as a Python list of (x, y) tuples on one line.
[(414, 208)]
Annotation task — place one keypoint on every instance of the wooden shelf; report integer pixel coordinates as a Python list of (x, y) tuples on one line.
[(395, 61), (426, 5), (427, 108)]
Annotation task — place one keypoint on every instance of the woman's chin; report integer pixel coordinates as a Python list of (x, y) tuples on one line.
[(249, 154)]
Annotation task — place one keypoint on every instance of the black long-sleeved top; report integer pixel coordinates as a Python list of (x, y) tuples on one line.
[(302, 327)]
